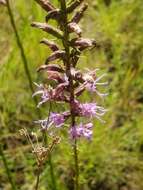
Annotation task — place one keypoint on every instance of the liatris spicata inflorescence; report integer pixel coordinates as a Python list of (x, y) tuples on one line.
[(66, 82)]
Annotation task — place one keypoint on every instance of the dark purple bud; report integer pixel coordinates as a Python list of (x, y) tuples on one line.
[(47, 28), (73, 27), (50, 67), (74, 5), (77, 17), (59, 91), (83, 43), (54, 14), (56, 55), (50, 44), (55, 76), (46, 5)]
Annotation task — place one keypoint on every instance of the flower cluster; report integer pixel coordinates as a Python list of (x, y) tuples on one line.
[(66, 82), (83, 130)]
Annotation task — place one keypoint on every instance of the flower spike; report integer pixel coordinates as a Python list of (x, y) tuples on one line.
[(46, 5), (64, 83)]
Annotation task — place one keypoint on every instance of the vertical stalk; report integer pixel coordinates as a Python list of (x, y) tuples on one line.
[(52, 172), (45, 138), (13, 187), (38, 178), (20, 46), (54, 185), (68, 73)]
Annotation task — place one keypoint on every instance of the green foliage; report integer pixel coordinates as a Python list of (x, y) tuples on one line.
[(113, 160)]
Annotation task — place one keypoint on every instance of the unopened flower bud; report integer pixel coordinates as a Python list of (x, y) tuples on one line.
[(50, 44), (73, 27), (47, 28), (54, 14), (74, 5), (46, 5), (79, 14), (50, 67), (59, 90), (83, 43), (56, 55), (55, 76)]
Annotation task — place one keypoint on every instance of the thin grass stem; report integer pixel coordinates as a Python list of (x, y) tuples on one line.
[(23, 56)]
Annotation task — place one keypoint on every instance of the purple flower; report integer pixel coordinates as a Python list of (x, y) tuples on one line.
[(91, 82), (56, 119), (89, 110), (45, 94), (82, 130)]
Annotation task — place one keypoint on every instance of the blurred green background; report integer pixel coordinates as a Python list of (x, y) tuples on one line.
[(114, 158)]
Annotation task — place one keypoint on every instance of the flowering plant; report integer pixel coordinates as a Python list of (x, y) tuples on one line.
[(66, 82)]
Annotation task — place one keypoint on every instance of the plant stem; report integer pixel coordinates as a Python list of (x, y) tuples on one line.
[(76, 185), (38, 179), (54, 186), (23, 56), (72, 98), (7, 168)]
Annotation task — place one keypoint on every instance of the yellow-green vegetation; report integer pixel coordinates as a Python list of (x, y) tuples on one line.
[(113, 160)]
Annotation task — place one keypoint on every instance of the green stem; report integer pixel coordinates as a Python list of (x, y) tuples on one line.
[(54, 185), (68, 73), (53, 179), (23, 56), (76, 185), (7, 168)]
